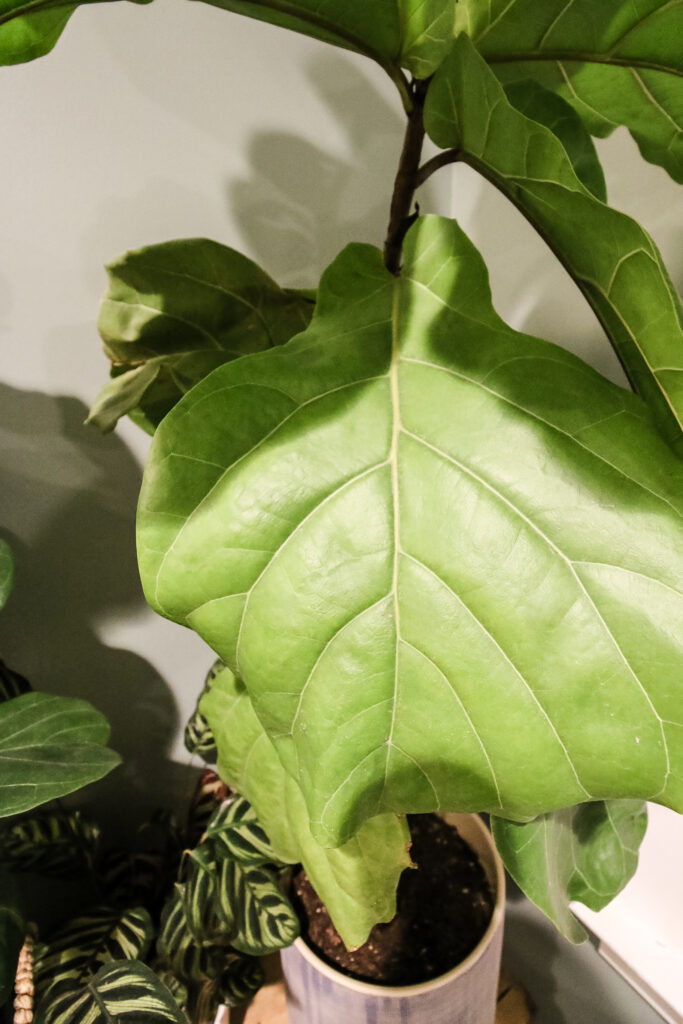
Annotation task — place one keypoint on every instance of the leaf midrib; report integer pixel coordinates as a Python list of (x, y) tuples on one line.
[(581, 57)]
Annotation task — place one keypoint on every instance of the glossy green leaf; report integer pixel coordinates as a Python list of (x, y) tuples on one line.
[(78, 950), (617, 62), (613, 261), (55, 845), (549, 109), (586, 853), (235, 832), (175, 311), (357, 881), (120, 993), (446, 557), (6, 572), (49, 746), (30, 28), (427, 34)]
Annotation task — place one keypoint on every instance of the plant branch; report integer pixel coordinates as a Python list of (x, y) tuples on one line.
[(449, 156), (406, 179)]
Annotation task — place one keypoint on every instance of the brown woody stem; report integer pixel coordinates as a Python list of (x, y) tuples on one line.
[(406, 180)]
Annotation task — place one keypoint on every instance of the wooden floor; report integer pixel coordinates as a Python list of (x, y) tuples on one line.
[(269, 1006)]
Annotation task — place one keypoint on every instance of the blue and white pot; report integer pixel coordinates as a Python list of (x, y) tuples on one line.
[(317, 994)]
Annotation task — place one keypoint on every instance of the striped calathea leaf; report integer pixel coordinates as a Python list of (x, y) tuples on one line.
[(177, 948), (198, 736), (177, 310), (444, 557), (12, 934), (57, 845), (242, 977), (610, 257), (78, 950), (119, 992), (235, 832), (586, 853), (617, 62), (262, 919)]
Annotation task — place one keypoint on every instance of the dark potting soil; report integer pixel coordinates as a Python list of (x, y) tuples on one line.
[(443, 910)]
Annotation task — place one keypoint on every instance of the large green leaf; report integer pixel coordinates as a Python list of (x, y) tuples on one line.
[(175, 311), (49, 746), (120, 992), (446, 557), (586, 853), (78, 950), (30, 28), (357, 881), (6, 572), (614, 262), (617, 62)]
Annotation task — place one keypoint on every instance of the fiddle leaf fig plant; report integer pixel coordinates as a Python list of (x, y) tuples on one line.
[(441, 560)]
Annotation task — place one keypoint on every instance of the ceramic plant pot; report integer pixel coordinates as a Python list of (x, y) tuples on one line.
[(317, 994)]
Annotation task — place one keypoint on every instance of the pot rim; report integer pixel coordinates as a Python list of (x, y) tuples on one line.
[(476, 833)]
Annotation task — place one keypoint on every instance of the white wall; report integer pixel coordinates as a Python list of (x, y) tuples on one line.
[(176, 120)]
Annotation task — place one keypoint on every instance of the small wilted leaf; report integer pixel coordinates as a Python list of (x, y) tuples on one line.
[(198, 736), (56, 845), (118, 993)]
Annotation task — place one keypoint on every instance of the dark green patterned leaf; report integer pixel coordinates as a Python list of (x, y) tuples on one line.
[(57, 845), (120, 993), (198, 736), (176, 311), (264, 920), (242, 978), (12, 684), (616, 62), (613, 261), (49, 746), (586, 853), (178, 950), (235, 832), (82, 946), (198, 892)]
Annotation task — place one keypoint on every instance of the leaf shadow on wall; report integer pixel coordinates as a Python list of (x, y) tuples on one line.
[(303, 203), (67, 508)]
